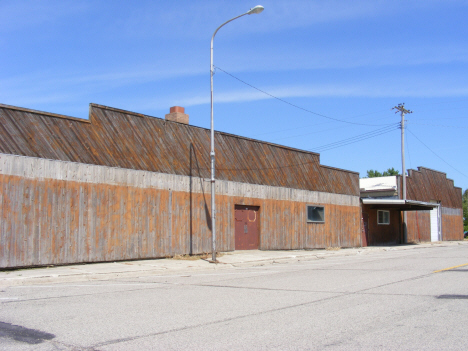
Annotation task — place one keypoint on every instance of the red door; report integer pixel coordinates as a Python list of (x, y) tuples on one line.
[(246, 230)]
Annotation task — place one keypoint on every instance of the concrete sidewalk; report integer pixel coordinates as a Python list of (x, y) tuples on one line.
[(122, 269)]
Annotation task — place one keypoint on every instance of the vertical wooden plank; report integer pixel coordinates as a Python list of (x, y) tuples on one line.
[(128, 223), (153, 234), (3, 223), (170, 222), (54, 216), (35, 221), (111, 219), (28, 223), (72, 228), (101, 214), (46, 224), (63, 222), (17, 235), (81, 240), (122, 229)]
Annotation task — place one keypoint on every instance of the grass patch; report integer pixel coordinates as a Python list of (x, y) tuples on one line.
[(195, 257), (333, 248)]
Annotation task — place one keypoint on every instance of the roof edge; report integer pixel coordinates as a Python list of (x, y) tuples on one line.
[(103, 107), (435, 170), (367, 201), (339, 169), (43, 113)]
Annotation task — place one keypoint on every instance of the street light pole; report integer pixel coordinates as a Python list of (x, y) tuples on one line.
[(256, 9)]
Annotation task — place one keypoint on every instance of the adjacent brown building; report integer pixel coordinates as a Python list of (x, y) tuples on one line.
[(433, 207)]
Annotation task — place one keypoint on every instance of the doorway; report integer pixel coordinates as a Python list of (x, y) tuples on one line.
[(246, 232), (365, 229), (434, 216)]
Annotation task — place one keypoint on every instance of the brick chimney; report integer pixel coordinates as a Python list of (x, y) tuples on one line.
[(177, 114)]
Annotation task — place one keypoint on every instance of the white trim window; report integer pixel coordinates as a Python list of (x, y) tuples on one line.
[(383, 217), (315, 214)]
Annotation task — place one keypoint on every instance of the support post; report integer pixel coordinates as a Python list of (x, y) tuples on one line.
[(401, 108)]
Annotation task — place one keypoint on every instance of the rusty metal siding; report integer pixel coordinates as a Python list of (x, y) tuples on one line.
[(426, 185), (55, 212), (123, 139)]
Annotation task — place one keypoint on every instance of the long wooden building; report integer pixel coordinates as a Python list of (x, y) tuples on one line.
[(123, 185)]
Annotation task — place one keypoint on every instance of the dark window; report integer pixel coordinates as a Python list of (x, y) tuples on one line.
[(383, 217), (315, 214)]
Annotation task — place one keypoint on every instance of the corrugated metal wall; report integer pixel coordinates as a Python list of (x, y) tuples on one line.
[(55, 212)]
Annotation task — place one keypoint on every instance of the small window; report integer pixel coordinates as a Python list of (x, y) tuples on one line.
[(383, 217), (315, 214)]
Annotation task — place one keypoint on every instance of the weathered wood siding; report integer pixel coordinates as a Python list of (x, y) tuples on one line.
[(428, 185), (55, 212), (124, 139), (452, 223), (381, 234), (418, 226)]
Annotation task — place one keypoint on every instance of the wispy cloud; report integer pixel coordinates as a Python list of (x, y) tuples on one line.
[(329, 90), (18, 14), (41, 86), (343, 58), (196, 19)]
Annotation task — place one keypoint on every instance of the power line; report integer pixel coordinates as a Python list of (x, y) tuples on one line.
[(407, 144), (437, 125), (296, 106), (314, 132), (330, 146), (435, 153), (357, 138), (308, 162)]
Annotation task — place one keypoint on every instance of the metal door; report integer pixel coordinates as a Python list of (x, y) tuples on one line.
[(434, 215), (247, 228)]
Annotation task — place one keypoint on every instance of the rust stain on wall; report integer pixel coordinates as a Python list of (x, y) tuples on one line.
[(46, 221)]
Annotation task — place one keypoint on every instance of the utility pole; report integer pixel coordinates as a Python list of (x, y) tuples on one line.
[(401, 108)]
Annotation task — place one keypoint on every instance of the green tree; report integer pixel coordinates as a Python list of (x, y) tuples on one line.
[(372, 173), (390, 172), (465, 210)]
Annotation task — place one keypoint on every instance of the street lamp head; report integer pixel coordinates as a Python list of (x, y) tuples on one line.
[(256, 9)]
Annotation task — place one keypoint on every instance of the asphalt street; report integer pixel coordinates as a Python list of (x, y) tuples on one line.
[(382, 300)]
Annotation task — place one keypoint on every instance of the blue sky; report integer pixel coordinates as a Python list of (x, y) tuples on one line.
[(348, 60)]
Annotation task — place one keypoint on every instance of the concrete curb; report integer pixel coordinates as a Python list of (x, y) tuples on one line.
[(160, 267)]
